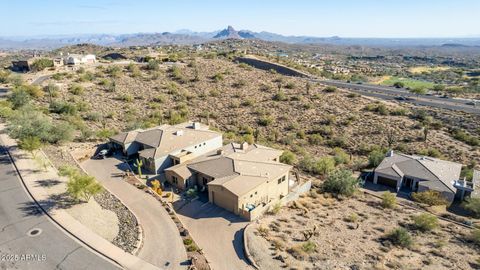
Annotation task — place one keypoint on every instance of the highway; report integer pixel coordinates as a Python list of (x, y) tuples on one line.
[(29, 239), (390, 93)]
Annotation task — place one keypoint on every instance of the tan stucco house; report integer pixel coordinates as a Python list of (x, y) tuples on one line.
[(243, 179), (421, 173), (164, 146)]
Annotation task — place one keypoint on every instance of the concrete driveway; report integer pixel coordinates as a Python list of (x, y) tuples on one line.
[(162, 244), (218, 232)]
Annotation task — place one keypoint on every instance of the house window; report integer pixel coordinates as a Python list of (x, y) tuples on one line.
[(175, 180), (281, 180)]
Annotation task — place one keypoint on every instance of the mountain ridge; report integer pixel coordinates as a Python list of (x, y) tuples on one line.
[(187, 37)]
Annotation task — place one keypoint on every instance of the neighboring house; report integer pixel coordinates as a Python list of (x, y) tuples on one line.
[(244, 179), (78, 59), (164, 146), (23, 65), (420, 173), (57, 61)]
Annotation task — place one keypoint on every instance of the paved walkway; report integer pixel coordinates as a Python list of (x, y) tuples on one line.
[(162, 244), (218, 232), (33, 179)]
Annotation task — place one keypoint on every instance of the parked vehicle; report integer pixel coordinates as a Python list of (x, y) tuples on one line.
[(104, 153)]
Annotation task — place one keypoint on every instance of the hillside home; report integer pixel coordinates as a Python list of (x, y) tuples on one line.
[(164, 146), (420, 173), (78, 59), (22, 65), (241, 178)]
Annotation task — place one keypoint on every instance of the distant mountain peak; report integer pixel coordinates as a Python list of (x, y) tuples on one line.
[(229, 32)]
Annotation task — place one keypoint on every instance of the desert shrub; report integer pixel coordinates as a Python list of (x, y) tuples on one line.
[(290, 85), (353, 217), (473, 206), (41, 64), (377, 108), (93, 116), (248, 138), (288, 157), (33, 90), (239, 84), (82, 186), (375, 158), (340, 156), (4, 76), (425, 222), (114, 71), (62, 107), (126, 97), (340, 182), (431, 152), (187, 241), (466, 137), (399, 112), (280, 96), (330, 89), (160, 98), (263, 231), (105, 133), (309, 247), (389, 200), (77, 89), (400, 237), (19, 98), (248, 102), (265, 121), (275, 209), (218, 77), (475, 236), (339, 141), (153, 65), (315, 139), (27, 122), (429, 197)]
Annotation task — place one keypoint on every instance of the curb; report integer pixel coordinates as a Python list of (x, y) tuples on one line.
[(141, 234), (7, 150), (245, 248)]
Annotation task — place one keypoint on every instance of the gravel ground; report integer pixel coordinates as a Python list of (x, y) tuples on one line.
[(350, 234), (128, 230), (128, 233), (100, 220)]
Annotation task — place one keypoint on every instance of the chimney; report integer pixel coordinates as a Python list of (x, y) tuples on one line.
[(390, 153), (196, 125), (244, 146)]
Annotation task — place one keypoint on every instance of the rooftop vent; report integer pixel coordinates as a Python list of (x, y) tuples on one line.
[(390, 153), (244, 146), (179, 133), (219, 152)]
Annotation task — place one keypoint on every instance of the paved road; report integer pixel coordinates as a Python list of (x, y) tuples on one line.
[(390, 93), (40, 80), (19, 215), (162, 245)]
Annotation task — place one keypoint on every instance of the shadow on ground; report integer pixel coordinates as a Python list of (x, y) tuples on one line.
[(56, 201)]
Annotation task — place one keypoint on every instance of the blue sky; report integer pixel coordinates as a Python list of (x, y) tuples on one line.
[(346, 18)]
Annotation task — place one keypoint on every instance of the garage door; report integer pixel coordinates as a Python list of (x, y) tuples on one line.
[(224, 201), (387, 182)]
